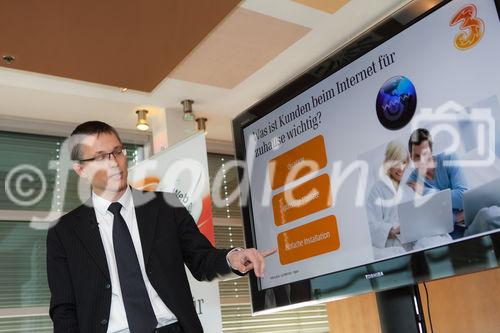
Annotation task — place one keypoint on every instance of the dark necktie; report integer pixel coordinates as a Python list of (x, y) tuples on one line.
[(140, 315)]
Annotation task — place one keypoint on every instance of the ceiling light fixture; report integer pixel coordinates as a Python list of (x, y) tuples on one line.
[(142, 121), (124, 89), (202, 124), (8, 59), (188, 109)]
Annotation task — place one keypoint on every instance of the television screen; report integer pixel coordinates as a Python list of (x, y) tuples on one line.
[(380, 166)]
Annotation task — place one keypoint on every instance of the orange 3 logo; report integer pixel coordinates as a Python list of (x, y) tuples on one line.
[(471, 27)]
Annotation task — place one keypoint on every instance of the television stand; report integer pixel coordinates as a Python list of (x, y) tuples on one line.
[(400, 310)]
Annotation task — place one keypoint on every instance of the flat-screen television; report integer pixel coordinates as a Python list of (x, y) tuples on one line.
[(379, 167)]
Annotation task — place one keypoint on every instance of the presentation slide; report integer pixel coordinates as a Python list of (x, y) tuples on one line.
[(387, 156)]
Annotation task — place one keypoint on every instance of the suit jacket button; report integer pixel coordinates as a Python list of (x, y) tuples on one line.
[(104, 322), (107, 286)]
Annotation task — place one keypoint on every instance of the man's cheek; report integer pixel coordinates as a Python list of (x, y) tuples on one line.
[(100, 175)]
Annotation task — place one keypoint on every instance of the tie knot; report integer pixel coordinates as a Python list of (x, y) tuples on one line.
[(115, 208)]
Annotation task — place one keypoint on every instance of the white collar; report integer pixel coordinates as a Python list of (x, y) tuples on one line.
[(101, 205), (387, 181)]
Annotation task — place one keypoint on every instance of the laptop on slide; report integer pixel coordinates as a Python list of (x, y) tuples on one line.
[(427, 216), (482, 196)]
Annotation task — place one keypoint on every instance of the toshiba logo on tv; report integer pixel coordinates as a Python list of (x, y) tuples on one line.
[(374, 275)]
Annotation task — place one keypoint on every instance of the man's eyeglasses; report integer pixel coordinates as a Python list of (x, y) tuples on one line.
[(118, 152)]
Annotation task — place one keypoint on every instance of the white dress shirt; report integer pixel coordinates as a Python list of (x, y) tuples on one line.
[(117, 318)]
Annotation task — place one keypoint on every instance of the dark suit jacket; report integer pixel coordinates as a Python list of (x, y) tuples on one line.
[(78, 273)]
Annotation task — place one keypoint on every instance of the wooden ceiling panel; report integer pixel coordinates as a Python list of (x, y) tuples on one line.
[(133, 44), (237, 48), (328, 6)]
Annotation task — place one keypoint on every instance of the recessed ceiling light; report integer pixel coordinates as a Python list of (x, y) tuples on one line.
[(123, 89), (8, 59)]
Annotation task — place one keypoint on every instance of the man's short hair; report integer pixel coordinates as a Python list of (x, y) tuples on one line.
[(88, 128), (417, 137)]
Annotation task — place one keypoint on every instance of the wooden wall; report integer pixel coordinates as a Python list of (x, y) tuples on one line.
[(461, 304), (354, 315)]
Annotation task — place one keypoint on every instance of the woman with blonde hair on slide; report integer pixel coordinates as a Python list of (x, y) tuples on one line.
[(383, 199)]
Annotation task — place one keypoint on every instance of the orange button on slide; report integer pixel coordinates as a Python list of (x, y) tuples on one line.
[(297, 162), (307, 198), (310, 240)]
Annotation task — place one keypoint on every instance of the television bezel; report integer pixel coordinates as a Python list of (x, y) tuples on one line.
[(417, 263)]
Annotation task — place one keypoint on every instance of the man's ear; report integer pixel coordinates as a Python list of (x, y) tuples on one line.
[(79, 169)]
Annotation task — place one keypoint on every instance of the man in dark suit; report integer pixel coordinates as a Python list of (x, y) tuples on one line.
[(116, 263)]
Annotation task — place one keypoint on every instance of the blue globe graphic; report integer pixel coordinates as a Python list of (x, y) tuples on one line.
[(396, 102)]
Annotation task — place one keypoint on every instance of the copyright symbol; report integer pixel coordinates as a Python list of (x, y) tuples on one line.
[(14, 185)]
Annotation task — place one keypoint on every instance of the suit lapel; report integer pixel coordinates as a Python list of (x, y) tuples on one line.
[(146, 212), (88, 232)]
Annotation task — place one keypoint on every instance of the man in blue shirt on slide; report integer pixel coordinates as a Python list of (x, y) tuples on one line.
[(435, 173)]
